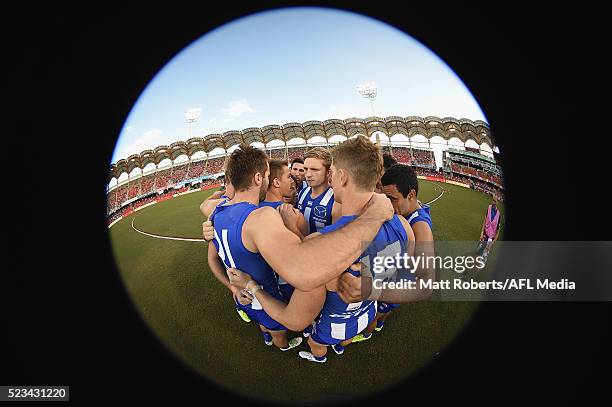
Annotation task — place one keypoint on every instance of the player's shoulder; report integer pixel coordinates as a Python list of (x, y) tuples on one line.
[(402, 220), (264, 213), (263, 210), (406, 225)]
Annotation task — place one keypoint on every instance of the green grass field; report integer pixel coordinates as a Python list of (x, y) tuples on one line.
[(193, 314)]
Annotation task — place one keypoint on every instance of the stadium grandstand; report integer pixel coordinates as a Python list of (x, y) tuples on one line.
[(481, 172), (203, 160)]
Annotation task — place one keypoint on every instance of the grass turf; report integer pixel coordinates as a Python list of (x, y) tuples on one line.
[(193, 314)]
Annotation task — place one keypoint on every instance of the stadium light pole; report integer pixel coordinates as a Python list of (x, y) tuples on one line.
[(369, 91), (191, 115)]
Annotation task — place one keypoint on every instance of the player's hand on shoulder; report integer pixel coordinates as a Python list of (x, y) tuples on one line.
[(350, 287), (289, 215), (208, 231), (216, 195), (237, 278)]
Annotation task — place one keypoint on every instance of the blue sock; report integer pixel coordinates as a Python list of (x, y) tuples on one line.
[(379, 324), (339, 347), (267, 337), (319, 358), (367, 335), (308, 329)]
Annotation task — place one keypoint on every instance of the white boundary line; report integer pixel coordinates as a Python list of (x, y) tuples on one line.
[(436, 198), (184, 239)]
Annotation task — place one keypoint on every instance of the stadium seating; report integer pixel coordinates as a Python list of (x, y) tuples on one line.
[(196, 169), (147, 186), (278, 154), (476, 173), (161, 179), (416, 157), (296, 153), (208, 182), (179, 174), (215, 165)]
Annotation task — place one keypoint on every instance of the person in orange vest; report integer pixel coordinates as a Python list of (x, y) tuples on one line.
[(490, 227)]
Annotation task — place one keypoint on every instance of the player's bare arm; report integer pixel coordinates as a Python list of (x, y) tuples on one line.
[(208, 206), (325, 257), (218, 270), (302, 309), (410, 233), (208, 231)]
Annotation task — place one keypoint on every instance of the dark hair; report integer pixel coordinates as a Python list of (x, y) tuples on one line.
[(276, 170), (297, 160), (388, 161), (243, 164), (403, 177)]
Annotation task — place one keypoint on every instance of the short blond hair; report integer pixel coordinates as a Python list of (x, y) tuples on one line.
[(362, 159), (320, 153)]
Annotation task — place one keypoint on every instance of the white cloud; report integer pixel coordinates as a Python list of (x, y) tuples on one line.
[(148, 140), (237, 108)]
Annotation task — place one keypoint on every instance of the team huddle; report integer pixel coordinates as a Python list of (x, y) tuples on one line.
[(296, 246)]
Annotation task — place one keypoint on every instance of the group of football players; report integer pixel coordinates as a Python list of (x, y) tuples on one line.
[(295, 245)]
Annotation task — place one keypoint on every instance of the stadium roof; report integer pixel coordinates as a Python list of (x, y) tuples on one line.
[(430, 126)]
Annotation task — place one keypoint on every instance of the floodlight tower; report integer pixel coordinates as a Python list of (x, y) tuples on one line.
[(191, 115), (369, 91)]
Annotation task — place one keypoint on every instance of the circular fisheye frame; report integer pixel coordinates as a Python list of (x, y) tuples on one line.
[(279, 128)]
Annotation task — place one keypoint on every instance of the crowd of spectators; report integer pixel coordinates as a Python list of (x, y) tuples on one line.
[(113, 217), (179, 173), (402, 155), (182, 189), (115, 213), (296, 152), (196, 169), (476, 184), (161, 179), (208, 182), (147, 184), (215, 165), (422, 160), (121, 195), (428, 172), (486, 188), (133, 191), (415, 157), (475, 173), (278, 154)]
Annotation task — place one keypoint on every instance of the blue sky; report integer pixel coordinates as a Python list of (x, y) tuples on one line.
[(292, 65)]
